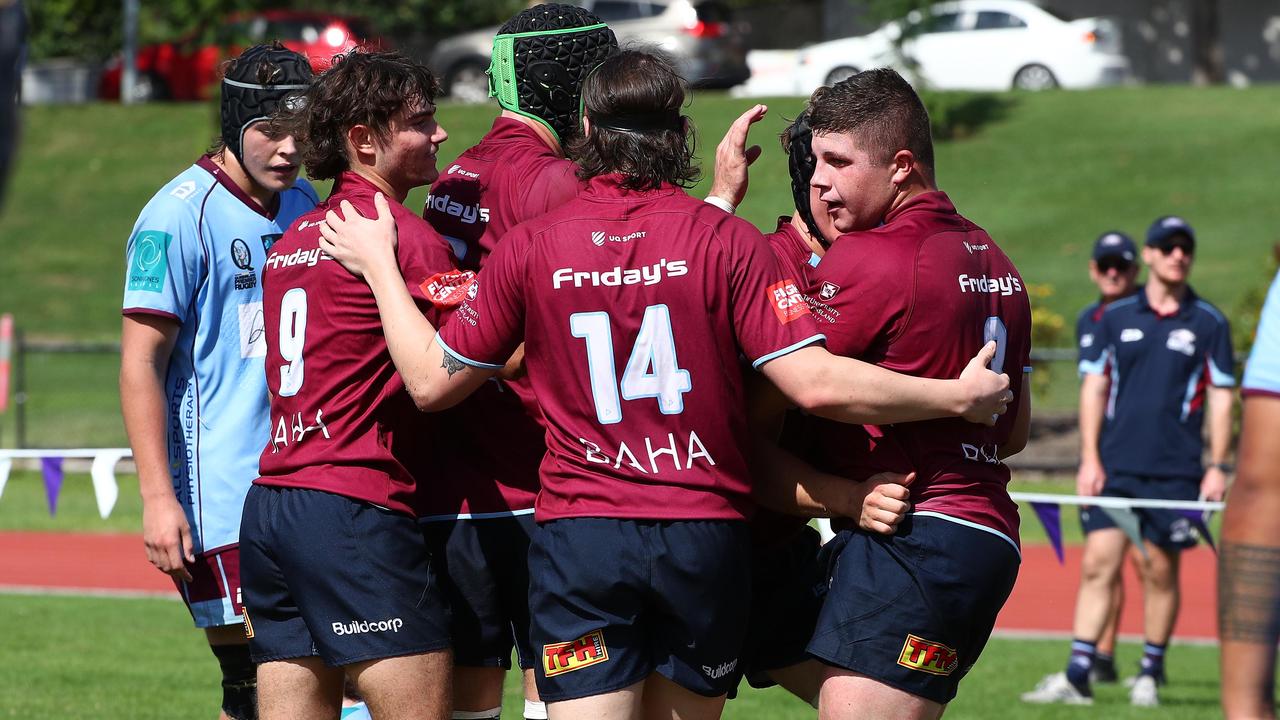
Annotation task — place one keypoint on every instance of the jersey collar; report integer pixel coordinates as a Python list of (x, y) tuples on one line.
[(207, 164)]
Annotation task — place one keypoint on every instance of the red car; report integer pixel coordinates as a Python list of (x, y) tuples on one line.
[(187, 69)]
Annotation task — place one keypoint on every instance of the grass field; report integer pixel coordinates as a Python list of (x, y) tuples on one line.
[(136, 659), (1045, 173), (118, 659)]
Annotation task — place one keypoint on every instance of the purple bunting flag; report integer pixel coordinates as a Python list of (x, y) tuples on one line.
[(1050, 515), (51, 468), (1198, 521)]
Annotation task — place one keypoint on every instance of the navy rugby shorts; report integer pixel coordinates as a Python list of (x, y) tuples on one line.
[(1167, 529), (613, 601), (914, 610), (483, 566), (327, 575)]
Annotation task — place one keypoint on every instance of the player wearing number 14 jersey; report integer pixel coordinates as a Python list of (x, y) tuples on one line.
[(634, 302), (916, 288)]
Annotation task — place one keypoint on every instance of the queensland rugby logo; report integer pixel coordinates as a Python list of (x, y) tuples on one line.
[(448, 289), (926, 656), (560, 658), (240, 254)]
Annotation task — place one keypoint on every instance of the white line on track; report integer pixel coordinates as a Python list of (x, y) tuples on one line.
[(89, 592), (1066, 635)]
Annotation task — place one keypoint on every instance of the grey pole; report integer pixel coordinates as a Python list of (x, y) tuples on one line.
[(129, 77)]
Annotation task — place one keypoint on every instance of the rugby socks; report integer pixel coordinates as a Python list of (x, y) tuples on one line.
[(1082, 654), (1152, 661), (535, 710), (1104, 666)]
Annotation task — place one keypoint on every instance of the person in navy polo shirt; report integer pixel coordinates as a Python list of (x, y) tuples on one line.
[(1114, 269), (1157, 359), (1249, 566)]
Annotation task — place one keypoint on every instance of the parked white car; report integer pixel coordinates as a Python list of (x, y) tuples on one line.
[(978, 45)]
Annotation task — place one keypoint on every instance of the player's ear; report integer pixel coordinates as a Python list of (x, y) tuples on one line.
[(361, 142), (904, 162), (586, 126)]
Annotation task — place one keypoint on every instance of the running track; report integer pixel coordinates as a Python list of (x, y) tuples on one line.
[(1041, 604)]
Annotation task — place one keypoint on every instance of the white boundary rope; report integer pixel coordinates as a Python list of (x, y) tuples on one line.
[(103, 471), (1116, 502)]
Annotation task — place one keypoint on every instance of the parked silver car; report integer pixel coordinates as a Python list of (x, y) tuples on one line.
[(707, 45)]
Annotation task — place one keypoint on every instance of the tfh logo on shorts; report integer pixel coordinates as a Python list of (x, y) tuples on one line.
[(559, 658), (357, 627), (787, 301), (926, 656)]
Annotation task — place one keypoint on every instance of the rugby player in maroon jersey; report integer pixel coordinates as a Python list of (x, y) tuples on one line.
[(914, 287), (638, 569), (479, 516), (337, 576)]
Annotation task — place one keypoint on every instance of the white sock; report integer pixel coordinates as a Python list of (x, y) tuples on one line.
[(535, 710)]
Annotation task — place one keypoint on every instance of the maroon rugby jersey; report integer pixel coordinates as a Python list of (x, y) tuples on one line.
[(921, 294), (495, 441), (769, 528), (633, 307), (341, 420), (795, 257)]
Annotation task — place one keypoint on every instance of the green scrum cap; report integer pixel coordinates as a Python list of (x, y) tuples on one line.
[(540, 58)]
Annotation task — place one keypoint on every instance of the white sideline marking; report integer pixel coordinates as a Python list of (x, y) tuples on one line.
[(1011, 634), (88, 592)]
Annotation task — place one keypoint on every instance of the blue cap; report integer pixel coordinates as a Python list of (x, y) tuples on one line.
[(1114, 244), (1166, 227)]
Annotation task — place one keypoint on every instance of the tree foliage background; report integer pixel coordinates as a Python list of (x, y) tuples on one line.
[(93, 29)]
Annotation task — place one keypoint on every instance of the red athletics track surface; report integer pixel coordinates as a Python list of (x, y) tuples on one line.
[(1042, 601)]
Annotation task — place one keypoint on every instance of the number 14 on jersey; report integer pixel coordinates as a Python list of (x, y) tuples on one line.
[(652, 370)]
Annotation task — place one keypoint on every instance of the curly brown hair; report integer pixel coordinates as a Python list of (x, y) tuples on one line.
[(633, 103), (361, 88)]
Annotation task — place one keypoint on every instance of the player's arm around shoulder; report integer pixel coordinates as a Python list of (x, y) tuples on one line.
[(366, 247), (852, 391), (783, 482)]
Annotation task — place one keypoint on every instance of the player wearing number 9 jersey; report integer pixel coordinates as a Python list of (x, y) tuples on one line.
[(337, 574), (634, 302), (914, 287)]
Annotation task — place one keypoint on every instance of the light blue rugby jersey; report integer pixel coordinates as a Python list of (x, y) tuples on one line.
[(1262, 373), (196, 255)]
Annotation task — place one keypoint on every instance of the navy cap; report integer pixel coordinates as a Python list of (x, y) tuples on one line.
[(1166, 227), (1115, 244)]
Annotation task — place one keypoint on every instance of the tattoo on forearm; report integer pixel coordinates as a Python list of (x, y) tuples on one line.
[(451, 364), (1249, 593)]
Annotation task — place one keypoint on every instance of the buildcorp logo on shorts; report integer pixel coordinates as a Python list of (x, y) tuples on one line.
[(356, 627)]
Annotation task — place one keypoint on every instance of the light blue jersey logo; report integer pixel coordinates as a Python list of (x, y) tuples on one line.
[(150, 260)]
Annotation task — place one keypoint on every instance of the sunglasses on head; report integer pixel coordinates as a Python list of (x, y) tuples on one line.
[(1168, 246), (1113, 262)]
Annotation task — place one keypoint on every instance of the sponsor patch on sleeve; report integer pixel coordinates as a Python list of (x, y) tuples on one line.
[(927, 656), (787, 301), (448, 289), (150, 260), (560, 658)]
